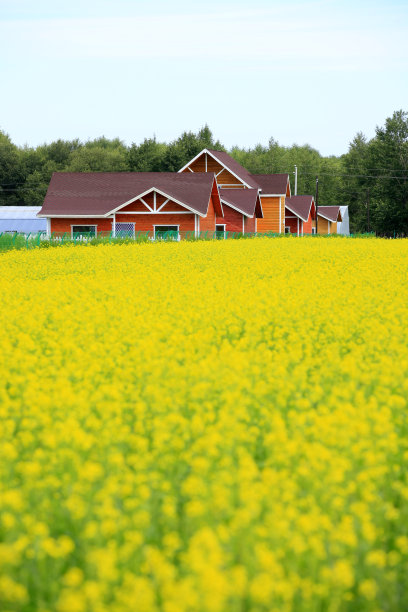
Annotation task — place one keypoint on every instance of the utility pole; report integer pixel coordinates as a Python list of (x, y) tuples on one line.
[(317, 198), (295, 180), (368, 210)]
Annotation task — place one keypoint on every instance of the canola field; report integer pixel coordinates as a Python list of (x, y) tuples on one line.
[(205, 427)]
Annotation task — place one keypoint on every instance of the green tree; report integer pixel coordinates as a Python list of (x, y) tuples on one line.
[(11, 171), (187, 146), (146, 157), (354, 185), (388, 161), (97, 159)]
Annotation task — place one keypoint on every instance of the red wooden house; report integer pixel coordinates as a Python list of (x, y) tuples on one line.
[(128, 202), (212, 192), (273, 189), (242, 209), (300, 212)]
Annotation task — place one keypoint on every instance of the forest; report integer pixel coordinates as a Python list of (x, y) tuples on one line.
[(371, 178)]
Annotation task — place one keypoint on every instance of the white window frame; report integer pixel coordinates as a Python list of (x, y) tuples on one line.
[(224, 225), (168, 225), (125, 223), (83, 225)]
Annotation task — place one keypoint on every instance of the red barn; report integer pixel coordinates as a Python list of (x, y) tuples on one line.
[(128, 202)]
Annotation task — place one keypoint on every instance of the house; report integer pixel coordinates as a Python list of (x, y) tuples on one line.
[(327, 219), (275, 188), (22, 219), (242, 210), (300, 212), (128, 202), (211, 193)]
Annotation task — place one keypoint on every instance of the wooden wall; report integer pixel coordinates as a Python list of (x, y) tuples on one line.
[(292, 222), (145, 223), (224, 178), (322, 226), (250, 224), (208, 223), (232, 219), (270, 207), (307, 225), (64, 225)]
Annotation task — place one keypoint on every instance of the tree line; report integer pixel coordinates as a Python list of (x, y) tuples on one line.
[(371, 178)]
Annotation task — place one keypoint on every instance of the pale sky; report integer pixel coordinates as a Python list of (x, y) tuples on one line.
[(300, 72)]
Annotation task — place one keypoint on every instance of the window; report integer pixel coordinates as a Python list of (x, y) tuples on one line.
[(125, 230), (313, 230), (83, 231), (166, 232), (287, 230), (220, 232)]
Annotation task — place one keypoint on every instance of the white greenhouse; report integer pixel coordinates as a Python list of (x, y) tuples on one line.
[(343, 226), (22, 219)]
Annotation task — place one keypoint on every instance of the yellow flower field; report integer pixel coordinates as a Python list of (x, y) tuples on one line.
[(205, 427)]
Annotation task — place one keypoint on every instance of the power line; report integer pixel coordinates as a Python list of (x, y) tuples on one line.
[(353, 175)]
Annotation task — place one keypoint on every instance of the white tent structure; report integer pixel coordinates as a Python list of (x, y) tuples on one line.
[(21, 219), (343, 226)]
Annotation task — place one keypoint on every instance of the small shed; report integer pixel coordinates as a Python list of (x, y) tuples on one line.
[(22, 219), (327, 219)]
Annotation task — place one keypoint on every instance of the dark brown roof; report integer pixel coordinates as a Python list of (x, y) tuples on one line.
[(100, 193), (300, 205), (332, 213), (272, 184), (235, 167), (246, 201)]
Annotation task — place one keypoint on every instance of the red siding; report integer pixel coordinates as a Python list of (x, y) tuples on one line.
[(307, 225), (137, 206), (292, 223), (232, 219), (208, 223), (64, 225), (249, 224), (145, 223)]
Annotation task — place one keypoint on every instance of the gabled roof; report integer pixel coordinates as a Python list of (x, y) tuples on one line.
[(245, 201), (272, 184), (98, 194), (230, 164), (300, 205), (331, 213)]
